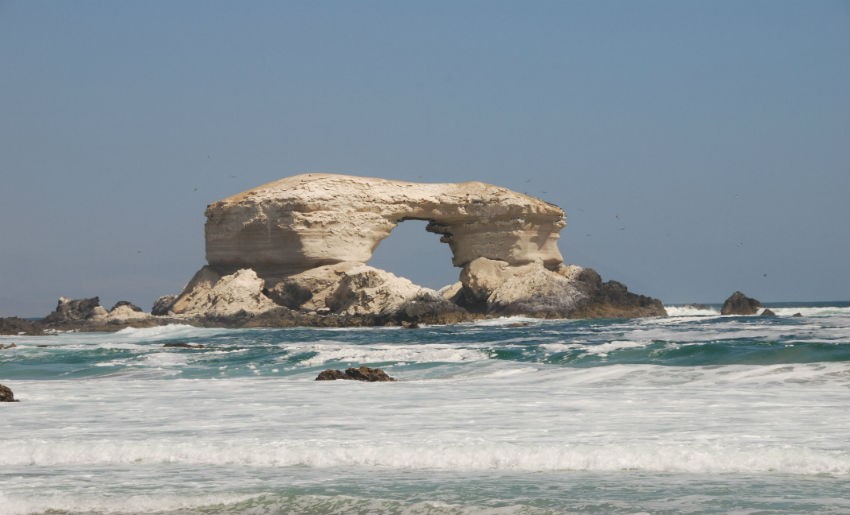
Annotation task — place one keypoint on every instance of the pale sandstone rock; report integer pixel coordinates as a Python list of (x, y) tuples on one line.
[(211, 294), (496, 287), (124, 313), (368, 290), (450, 291), (350, 289), (301, 222), (302, 243)]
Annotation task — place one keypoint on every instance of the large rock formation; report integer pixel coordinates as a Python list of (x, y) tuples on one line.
[(301, 243)]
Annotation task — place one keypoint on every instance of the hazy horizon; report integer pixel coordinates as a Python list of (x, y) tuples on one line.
[(698, 148)]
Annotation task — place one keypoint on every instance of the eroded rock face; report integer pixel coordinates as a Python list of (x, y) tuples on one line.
[(212, 294), (301, 243), (301, 222)]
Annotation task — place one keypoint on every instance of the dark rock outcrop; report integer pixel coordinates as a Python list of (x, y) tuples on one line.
[(15, 325), (162, 305), (72, 310), (358, 374), (8, 346), (6, 394), (768, 313), (740, 304), (127, 303)]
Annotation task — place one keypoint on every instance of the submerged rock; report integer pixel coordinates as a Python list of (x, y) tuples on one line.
[(184, 345), (358, 374), (6, 394), (740, 304)]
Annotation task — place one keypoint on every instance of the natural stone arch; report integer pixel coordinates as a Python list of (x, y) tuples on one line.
[(302, 243), (310, 220), (413, 252)]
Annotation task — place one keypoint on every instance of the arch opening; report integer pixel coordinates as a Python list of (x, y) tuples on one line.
[(416, 254)]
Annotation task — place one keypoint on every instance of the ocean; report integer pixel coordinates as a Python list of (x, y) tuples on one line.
[(693, 413)]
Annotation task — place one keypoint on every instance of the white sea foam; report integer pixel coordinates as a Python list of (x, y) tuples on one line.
[(503, 321), (255, 504), (165, 332), (812, 312), (327, 352), (601, 349), (691, 311), (694, 457)]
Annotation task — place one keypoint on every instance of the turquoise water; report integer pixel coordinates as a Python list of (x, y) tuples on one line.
[(693, 413)]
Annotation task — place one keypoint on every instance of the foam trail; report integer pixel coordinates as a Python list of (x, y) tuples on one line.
[(653, 457), (691, 311)]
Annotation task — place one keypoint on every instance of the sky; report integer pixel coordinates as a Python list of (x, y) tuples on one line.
[(697, 147)]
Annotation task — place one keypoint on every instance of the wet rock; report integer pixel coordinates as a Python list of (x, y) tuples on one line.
[(9, 346), (6, 394), (331, 375), (768, 313), (797, 315), (358, 374), (740, 304)]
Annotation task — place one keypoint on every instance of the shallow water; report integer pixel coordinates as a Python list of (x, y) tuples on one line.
[(694, 413)]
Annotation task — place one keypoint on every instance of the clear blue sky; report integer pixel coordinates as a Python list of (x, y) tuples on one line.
[(698, 147)]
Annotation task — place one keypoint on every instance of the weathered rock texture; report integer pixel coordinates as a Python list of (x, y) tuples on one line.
[(301, 222), (740, 304), (301, 244), (88, 314), (367, 374)]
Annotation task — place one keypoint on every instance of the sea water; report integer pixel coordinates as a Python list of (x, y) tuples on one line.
[(693, 413)]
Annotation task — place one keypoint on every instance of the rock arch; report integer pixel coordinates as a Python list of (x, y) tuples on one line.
[(410, 251), (302, 243), (301, 222)]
